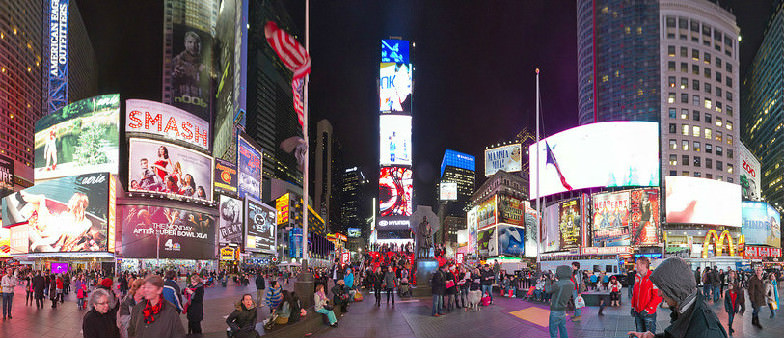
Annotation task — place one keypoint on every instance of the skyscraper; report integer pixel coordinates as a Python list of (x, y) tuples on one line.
[(354, 206), (763, 108), (327, 176), (459, 168), (675, 62)]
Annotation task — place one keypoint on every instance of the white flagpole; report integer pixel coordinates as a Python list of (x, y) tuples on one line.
[(306, 165), (538, 206)]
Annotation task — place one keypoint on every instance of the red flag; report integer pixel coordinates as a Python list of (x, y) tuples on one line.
[(296, 58)]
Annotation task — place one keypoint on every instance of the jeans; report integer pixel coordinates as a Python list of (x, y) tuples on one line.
[(80, 303), (378, 295), (330, 314), (8, 301), (706, 291), (577, 312), (716, 293), (487, 289), (463, 299), (631, 287), (391, 295), (558, 324), (772, 312), (644, 322), (730, 317), (438, 304)]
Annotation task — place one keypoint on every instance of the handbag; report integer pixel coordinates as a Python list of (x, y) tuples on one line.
[(328, 307), (579, 303), (450, 284), (774, 305)]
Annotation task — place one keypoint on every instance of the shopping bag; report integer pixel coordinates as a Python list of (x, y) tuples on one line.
[(358, 297), (774, 305), (579, 303)]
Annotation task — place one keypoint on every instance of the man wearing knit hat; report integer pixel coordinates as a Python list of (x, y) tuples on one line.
[(691, 316)]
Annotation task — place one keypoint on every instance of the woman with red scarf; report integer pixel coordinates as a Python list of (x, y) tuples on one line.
[(733, 297), (155, 317)]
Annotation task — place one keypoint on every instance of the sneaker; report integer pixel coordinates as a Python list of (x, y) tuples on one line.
[(435, 315), (577, 318)]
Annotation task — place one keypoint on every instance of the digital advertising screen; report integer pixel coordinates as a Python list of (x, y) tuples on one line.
[(261, 227), (249, 169), (611, 219), (67, 214), (472, 229), (511, 240), (395, 51), (82, 137), (354, 232), (570, 224), (507, 158), (644, 217), (750, 174), (696, 200), (168, 122), (225, 176), (396, 189), (166, 169), (57, 36), (59, 268), (603, 154), (230, 226), (395, 140), (295, 243), (551, 238), (395, 78), (6, 176), (761, 224), (532, 224), (448, 191), (486, 213), (155, 231), (511, 210), (5, 242), (487, 240)]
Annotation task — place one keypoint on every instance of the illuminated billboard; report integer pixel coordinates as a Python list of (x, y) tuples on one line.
[(604, 154), (58, 53), (507, 158), (570, 224), (82, 137), (511, 240), (511, 210), (750, 175), (448, 191), (472, 230), (282, 207), (532, 224), (165, 169), (644, 214), (5, 242), (230, 227), (171, 123), (487, 242), (225, 176), (6, 176), (611, 219), (249, 163), (395, 141), (695, 200), (551, 239), (395, 78), (354, 232), (261, 227), (396, 188), (761, 224), (68, 214), (486, 213), (161, 232)]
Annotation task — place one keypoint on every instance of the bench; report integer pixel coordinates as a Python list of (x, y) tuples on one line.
[(592, 298), (311, 323)]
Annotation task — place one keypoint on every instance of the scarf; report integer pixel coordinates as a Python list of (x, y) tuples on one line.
[(733, 296), (151, 311)]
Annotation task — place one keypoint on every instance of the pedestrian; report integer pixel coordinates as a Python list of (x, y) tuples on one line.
[(284, 309), (615, 291), (195, 312), (389, 285), (716, 283), (756, 295), (242, 321), (377, 280), (732, 300), (438, 286), (320, 305), (463, 282), (134, 296), (60, 288), (645, 298), (155, 317), (691, 316), (340, 296), (100, 321), (563, 289), (29, 289), (260, 284), (698, 276), (733, 278), (171, 291), (7, 284), (722, 281), (296, 307), (53, 290), (772, 294), (39, 285), (451, 289), (630, 277), (577, 279), (488, 278), (707, 285), (273, 296), (496, 271), (81, 293)]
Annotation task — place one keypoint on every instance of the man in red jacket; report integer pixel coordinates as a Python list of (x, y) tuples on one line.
[(645, 297)]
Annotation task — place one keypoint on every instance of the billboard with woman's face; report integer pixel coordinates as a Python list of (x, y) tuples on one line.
[(163, 168)]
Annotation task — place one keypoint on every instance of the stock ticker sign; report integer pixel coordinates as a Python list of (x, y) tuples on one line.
[(752, 251)]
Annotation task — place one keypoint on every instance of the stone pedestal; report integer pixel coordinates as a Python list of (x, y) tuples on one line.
[(425, 269), (304, 286)]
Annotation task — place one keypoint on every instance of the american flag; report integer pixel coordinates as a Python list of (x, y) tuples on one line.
[(295, 57), (551, 160)]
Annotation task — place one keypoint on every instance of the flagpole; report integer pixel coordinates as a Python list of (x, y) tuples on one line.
[(306, 165), (538, 206)]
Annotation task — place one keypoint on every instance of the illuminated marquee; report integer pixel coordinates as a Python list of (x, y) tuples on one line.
[(719, 241), (58, 54), (143, 116)]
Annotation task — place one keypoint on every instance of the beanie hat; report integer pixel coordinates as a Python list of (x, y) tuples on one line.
[(107, 282)]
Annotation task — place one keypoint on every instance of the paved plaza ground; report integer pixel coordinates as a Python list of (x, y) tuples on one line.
[(508, 317)]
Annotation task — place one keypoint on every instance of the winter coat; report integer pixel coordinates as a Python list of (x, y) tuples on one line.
[(756, 291), (348, 279), (389, 279), (698, 322), (124, 315), (100, 325), (167, 323), (377, 279), (196, 308), (487, 277), (645, 296), (771, 294), (728, 306), (242, 322), (449, 276), (562, 289), (171, 292), (438, 283), (260, 282)]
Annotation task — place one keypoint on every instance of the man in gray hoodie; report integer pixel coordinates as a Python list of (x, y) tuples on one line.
[(562, 291), (691, 316)]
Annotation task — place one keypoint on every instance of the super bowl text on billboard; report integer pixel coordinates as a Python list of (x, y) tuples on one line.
[(162, 232)]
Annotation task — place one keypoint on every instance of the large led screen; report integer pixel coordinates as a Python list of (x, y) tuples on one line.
[(644, 217), (531, 231), (68, 214), (761, 224), (395, 78), (5, 242), (249, 171), (507, 158), (396, 189), (570, 224), (262, 226), (472, 230), (395, 140), (749, 174), (225, 176), (487, 242), (163, 168), (82, 137), (511, 210), (171, 123), (611, 219), (448, 191), (6, 176), (550, 236), (56, 33), (695, 200), (511, 240), (486, 213), (604, 154), (154, 231), (231, 227)]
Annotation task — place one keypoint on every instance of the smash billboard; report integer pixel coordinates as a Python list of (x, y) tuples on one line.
[(165, 121)]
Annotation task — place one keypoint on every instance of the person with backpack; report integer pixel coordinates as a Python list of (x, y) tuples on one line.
[(438, 284), (577, 280), (562, 290)]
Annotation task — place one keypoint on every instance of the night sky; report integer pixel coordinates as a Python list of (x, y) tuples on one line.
[(474, 79)]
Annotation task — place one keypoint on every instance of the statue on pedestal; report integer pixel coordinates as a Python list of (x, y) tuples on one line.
[(425, 240)]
